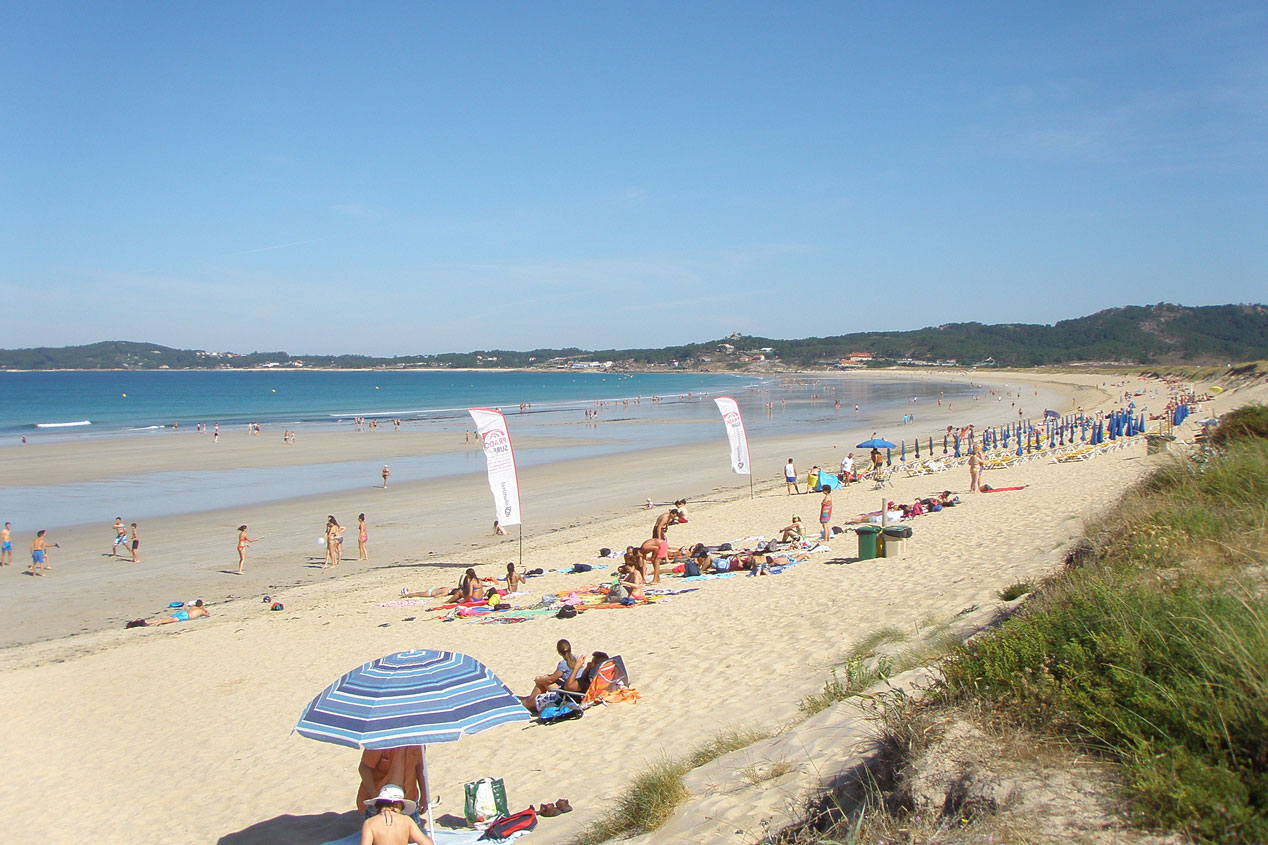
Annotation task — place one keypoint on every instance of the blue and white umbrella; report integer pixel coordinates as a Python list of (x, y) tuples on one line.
[(408, 698)]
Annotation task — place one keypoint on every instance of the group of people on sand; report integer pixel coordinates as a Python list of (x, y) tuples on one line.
[(655, 550), (472, 588), (334, 541)]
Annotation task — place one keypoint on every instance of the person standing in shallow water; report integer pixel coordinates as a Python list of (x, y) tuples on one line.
[(385, 475)]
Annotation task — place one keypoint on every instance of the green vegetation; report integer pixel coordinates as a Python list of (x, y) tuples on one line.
[(857, 674), (1137, 334), (1152, 647), (652, 795), (1016, 590)]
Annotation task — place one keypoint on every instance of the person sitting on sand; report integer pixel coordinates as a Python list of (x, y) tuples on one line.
[(184, 614), (391, 823), (513, 579), (580, 682), (792, 532), (568, 667), (379, 767), (632, 582)]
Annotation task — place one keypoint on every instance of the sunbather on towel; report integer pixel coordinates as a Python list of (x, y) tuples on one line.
[(184, 614), (632, 579), (791, 532), (469, 588), (391, 823)]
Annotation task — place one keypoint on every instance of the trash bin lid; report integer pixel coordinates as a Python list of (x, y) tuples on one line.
[(899, 531), (869, 529)]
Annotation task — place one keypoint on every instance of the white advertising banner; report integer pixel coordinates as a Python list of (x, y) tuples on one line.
[(501, 461), (735, 433)]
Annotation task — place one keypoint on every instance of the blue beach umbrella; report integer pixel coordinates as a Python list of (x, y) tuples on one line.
[(917, 448), (902, 457), (876, 443), (408, 698), (931, 445)]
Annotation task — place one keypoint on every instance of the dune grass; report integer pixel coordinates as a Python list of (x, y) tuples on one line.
[(652, 794), (1016, 590), (1152, 647)]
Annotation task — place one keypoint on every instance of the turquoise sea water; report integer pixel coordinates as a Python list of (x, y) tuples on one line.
[(36, 405)]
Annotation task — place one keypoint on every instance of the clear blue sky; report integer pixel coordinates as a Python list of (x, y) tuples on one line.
[(423, 177)]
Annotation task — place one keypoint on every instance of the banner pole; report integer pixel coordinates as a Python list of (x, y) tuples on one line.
[(751, 494), (521, 527)]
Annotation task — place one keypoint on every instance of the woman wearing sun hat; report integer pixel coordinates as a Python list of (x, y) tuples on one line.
[(391, 824)]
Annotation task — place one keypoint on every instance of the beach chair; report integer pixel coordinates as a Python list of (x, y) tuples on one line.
[(884, 478), (610, 674)]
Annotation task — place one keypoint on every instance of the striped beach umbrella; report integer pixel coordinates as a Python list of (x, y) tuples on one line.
[(408, 698)]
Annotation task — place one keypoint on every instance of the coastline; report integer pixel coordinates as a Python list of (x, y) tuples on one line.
[(249, 671)]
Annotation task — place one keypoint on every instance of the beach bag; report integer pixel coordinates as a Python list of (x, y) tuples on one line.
[(559, 713), (485, 801), (566, 612), (690, 569), (524, 820), (581, 567)]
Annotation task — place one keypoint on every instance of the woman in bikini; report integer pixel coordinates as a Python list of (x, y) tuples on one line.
[(363, 534), (391, 824), (513, 579), (243, 542)]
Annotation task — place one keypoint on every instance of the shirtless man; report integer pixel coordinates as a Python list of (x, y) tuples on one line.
[(6, 545), (184, 614), (120, 536), (39, 554), (658, 533), (136, 542)]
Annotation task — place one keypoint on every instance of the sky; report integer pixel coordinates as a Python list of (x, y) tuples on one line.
[(422, 177)]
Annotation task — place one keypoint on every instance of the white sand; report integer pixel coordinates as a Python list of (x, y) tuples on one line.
[(182, 733)]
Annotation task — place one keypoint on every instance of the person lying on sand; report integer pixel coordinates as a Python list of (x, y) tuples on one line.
[(184, 614), (470, 588), (391, 824)]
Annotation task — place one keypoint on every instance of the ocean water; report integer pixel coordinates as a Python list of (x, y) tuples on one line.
[(147, 404)]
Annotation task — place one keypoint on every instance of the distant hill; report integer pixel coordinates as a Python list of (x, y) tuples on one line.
[(1150, 334)]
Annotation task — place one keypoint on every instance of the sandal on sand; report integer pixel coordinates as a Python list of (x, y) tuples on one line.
[(563, 806), (548, 810)]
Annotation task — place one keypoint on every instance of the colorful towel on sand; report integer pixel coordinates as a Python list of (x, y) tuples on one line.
[(405, 603)]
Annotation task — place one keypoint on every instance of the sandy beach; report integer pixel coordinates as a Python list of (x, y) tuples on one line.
[(182, 733)]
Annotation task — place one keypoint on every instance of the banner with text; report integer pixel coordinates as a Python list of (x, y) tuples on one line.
[(735, 433), (501, 461)]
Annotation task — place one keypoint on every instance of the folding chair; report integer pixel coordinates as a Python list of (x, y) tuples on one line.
[(611, 673)]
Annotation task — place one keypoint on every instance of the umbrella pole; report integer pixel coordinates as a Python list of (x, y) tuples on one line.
[(425, 793)]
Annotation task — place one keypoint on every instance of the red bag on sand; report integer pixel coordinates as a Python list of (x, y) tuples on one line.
[(514, 823)]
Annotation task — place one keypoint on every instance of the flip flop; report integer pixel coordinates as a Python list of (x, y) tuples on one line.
[(563, 806), (547, 810)]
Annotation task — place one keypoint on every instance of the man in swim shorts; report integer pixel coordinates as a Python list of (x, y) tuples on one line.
[(120, 536), (790, 477), (6, 545), (39, 554), (136, 542), (184, 614)]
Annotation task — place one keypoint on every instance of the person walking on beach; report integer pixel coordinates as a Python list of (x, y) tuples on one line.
[(6, 545), (120, 536), (790, 477), (975, 469), (243, 542), (39, 554), (363, 534), (385, 475), (825, 512), (136, 542)]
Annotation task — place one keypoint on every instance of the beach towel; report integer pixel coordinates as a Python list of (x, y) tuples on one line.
[(989, 489), (442, 836)]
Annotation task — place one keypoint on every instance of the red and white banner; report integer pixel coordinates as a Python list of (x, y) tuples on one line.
[(735, 433), (501, 461)]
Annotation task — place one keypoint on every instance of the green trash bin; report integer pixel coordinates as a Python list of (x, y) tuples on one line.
[(867, 541)]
